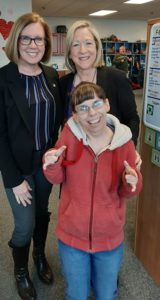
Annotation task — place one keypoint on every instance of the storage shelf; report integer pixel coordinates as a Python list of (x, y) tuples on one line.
[(134, 50)]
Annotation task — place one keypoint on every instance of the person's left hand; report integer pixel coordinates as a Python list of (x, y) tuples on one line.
[(130, 176)]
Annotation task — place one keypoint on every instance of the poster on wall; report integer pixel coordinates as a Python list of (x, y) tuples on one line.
[(152, 87)]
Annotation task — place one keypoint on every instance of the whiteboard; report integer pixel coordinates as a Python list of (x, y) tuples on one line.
[(151, 114)]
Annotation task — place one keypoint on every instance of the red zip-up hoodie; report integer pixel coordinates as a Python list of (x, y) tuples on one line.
[(92, 206)]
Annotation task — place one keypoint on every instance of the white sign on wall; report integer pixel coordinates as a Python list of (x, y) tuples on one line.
[(152, 88)]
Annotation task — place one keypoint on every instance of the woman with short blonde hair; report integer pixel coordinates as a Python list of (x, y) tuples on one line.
[(83, 24), (84, 59)]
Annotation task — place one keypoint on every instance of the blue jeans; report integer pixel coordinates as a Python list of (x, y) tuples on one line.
[(83, 270), (24, 217)]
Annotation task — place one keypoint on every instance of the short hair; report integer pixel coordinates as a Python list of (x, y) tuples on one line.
[(11, 48), (69, 39), (122, 47), (86, 91)]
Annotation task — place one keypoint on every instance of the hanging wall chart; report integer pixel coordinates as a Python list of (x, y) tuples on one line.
[(152, 87)]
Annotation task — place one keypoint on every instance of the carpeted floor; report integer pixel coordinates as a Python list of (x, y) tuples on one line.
[(134, 282)]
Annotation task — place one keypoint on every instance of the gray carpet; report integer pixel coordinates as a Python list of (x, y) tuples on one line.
[(134, 282)]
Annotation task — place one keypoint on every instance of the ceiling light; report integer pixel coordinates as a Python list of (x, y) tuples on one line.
[(137, 1), (103, 12)]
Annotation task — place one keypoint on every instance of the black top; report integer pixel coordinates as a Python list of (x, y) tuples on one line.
[(17, 139), (119, 92), (42, 108)]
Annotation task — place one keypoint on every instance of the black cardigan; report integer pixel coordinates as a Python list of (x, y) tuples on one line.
[(16, 136), (119, 92)]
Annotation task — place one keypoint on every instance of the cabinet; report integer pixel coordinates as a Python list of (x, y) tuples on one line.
[(134, 50), (58, 44)]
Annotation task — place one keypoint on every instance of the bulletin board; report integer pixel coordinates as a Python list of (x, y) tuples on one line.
[(152, 88)]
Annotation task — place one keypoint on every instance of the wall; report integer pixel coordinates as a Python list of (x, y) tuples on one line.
[(9, 12), (125, 30), (128, 30)]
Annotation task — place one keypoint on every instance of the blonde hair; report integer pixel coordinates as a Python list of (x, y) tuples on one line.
[(69, 39), (11, 47)]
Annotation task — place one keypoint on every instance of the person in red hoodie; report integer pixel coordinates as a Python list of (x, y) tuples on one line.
[(94, 161)]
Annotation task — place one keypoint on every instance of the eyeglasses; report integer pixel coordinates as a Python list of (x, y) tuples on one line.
[(86, 44), (84, 109), (27, 40)]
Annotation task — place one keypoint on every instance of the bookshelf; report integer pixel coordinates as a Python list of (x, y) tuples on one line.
[(134, 50)]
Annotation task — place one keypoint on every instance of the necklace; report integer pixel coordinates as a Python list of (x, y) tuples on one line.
[(78, 78)]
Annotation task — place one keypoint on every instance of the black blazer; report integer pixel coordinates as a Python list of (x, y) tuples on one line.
[(16, 136), (119, 92)]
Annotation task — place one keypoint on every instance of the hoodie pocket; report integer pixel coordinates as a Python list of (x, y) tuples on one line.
[(109, 221), (74, 220)]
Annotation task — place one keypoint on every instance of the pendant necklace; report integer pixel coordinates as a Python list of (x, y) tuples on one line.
[(80, 80)]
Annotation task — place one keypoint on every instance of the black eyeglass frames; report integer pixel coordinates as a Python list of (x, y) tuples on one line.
[(27, 40)]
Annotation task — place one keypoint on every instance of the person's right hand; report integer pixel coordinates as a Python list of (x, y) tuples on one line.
[(22, 193), (138, 161), (52, 156)]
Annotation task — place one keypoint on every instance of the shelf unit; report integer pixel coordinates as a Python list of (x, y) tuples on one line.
[(135, 50), (58, 44)]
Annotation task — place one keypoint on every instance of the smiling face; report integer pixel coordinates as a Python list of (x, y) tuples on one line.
[(32, 54), (122, 50), (91, 114), (83, 50)]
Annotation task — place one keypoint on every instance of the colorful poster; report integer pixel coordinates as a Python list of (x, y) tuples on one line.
[(152, 87)]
